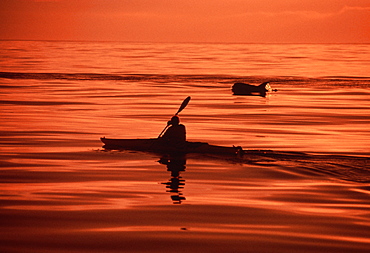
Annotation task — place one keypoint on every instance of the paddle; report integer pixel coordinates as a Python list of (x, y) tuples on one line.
[(182, 107)]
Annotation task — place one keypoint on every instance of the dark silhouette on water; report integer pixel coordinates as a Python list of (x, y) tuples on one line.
[(172, 141), (176, 164), (175, 136), (182, 107), (252, 90)]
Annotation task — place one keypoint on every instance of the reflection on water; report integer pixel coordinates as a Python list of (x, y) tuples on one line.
[(175, 164), (310, 60), (59, 193)]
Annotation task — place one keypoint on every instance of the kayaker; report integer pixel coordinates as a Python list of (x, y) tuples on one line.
[(175, 135)]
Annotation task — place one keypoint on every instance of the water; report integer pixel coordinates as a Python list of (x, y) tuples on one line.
[(60, 191)]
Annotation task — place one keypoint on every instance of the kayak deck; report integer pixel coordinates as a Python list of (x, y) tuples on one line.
[(158, 146)]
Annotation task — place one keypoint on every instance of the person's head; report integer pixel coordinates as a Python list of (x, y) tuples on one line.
[(175, 120)]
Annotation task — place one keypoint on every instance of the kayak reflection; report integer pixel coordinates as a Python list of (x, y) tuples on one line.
[(175, 164)]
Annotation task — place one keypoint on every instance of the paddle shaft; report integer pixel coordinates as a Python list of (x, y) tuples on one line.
[(164, 129), (182, 107)]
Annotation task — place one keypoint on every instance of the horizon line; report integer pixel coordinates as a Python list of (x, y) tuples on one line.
[(177, 42)]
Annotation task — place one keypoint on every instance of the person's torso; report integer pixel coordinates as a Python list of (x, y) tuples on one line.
[(176, 134)]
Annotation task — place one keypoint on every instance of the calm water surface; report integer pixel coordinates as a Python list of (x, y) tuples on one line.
[(62, 192)]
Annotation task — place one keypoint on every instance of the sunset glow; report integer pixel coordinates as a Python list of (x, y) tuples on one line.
[(92, 158), (286, 21)]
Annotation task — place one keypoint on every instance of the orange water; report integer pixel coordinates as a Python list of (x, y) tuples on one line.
[(61, 192)]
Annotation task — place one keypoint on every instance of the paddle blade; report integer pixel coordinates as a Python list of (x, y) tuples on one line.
[(184, 104)]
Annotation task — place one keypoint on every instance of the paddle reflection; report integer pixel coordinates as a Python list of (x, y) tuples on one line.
[(175, 164)]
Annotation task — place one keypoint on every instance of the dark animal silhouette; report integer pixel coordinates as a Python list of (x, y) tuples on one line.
[(247, 89)]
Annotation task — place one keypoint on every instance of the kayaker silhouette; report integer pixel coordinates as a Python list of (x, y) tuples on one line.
[(175, 136)]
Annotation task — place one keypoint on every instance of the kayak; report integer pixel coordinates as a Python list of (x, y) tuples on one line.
[(158, 146)]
